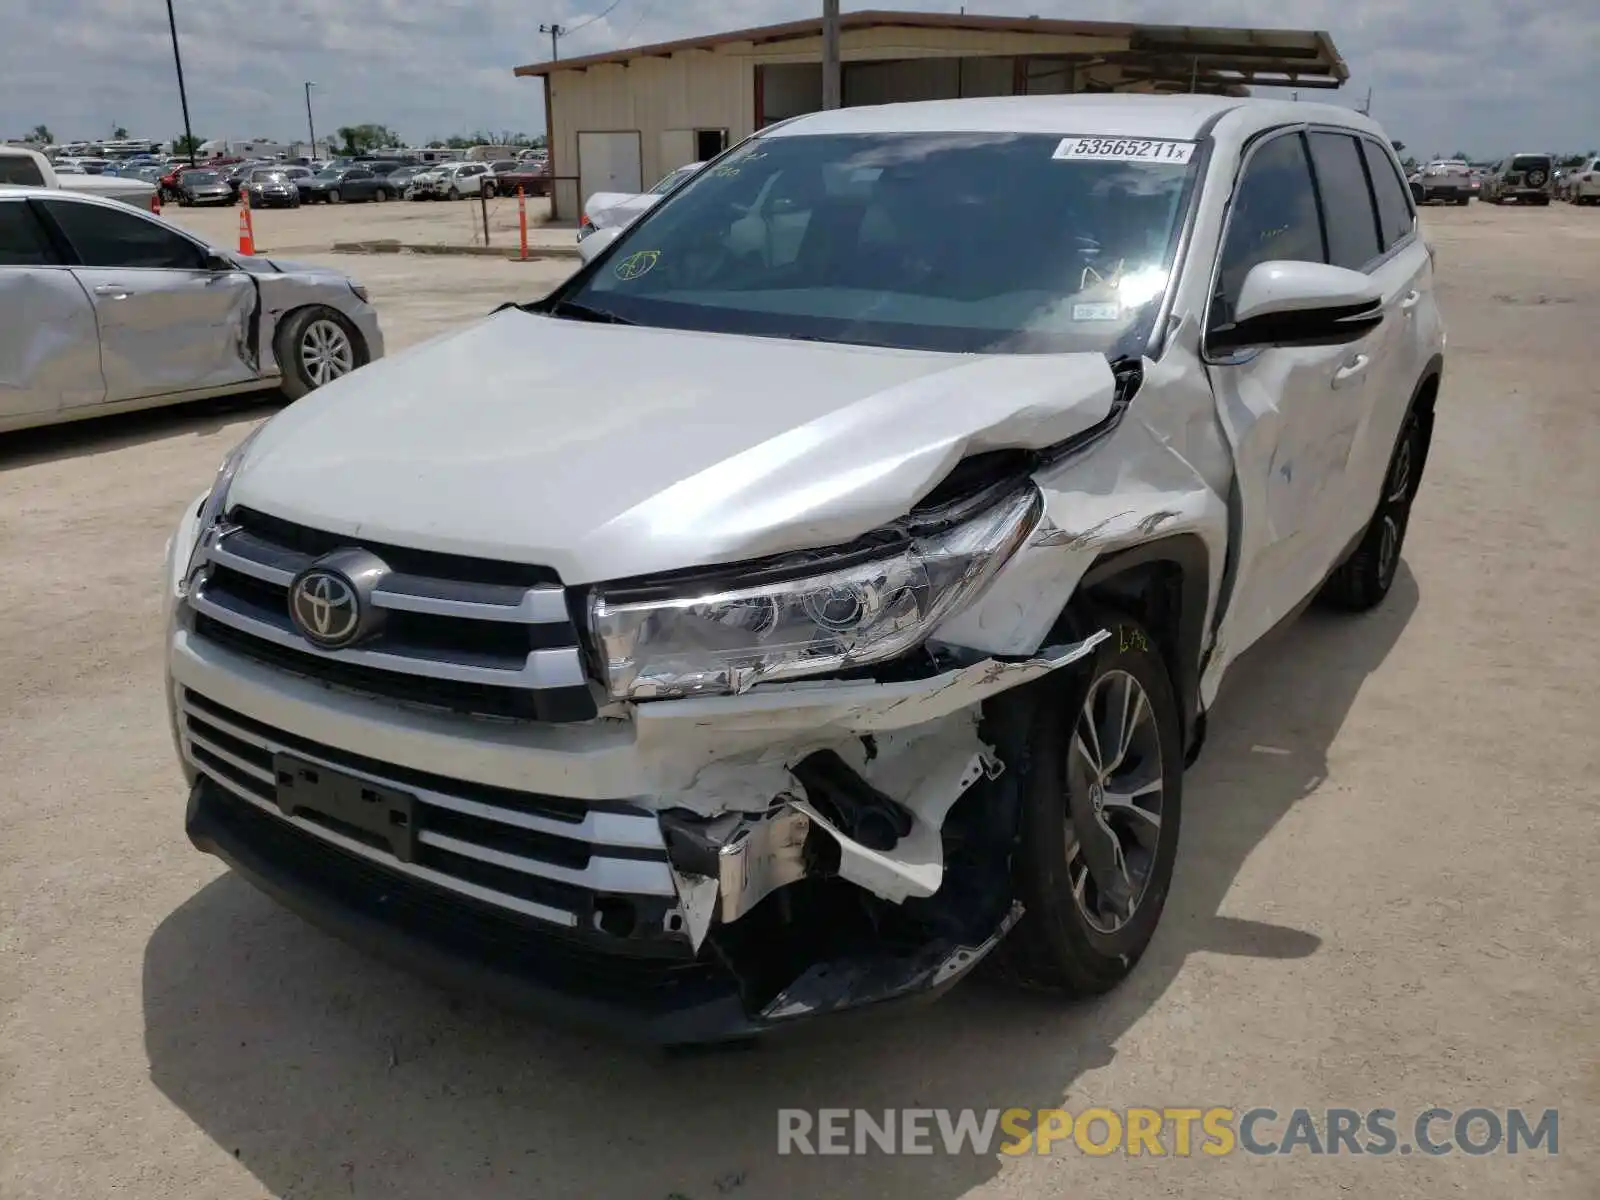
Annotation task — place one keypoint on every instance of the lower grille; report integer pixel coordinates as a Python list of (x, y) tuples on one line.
[(484, 933), (589, 871)]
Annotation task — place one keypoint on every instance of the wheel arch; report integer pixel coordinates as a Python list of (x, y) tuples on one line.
[(1165, 585), (1424, 399)]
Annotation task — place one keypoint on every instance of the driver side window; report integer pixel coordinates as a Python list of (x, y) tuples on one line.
[(1274, 216)]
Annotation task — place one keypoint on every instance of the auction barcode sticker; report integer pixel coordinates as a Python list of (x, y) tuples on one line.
[(1102, 149)]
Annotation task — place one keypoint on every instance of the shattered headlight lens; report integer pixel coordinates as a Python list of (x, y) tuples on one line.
[(815, 617)]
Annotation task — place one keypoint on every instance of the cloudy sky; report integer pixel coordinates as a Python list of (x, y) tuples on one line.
[(1484, 76)]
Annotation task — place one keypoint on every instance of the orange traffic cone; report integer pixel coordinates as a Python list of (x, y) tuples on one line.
[(155, 202), (247, 233)]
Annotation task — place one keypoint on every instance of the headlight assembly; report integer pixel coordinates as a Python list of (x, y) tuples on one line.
[(813, 618), (216, 503)]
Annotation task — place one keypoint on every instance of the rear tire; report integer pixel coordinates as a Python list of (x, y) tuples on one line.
[(315, 346), (1363, 580), (1074, 938)]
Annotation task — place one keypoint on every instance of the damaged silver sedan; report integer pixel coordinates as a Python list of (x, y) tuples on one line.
[(107, 309), (821, 592)]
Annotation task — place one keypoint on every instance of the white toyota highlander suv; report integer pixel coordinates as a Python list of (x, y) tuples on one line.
[(823, 590)]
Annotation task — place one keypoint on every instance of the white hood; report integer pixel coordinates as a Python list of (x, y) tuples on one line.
[(609, 451)]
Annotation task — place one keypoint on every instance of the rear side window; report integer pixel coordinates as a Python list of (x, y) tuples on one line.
[(20, 169), (1274, 217), (104, 236), (1395, 216), (1346, 200), (23, 242)]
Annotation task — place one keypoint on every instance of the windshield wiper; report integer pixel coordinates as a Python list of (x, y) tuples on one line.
[(586, 312)]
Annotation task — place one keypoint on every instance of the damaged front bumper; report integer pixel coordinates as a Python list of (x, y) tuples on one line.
[(795, 851)]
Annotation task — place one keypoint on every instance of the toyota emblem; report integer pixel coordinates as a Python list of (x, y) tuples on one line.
[(331, 601), (324, 607)]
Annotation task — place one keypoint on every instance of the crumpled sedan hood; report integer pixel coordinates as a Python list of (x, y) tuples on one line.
[(609, 451)]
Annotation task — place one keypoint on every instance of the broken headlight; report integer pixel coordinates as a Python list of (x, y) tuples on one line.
[(815, 617)]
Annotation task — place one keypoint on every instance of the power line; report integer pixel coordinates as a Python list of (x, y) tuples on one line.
[(597, 17), (644, 11)]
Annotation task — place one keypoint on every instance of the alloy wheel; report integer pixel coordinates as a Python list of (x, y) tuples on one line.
[(1115, 780), (326, 352)]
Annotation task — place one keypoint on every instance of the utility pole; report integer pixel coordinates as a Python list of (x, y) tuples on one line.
[(183, 96), (830, 54), (555, 32), (311, 127)]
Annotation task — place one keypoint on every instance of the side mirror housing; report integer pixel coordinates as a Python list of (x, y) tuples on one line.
[(218, 262), (1291, 303), (591, 246)]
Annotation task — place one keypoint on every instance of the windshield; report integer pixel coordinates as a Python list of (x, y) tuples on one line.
[(672, 180), (201, 177), (988, 242), (331, 173), (1530, 162), (275, 176)]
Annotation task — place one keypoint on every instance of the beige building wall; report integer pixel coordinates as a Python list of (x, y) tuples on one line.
[(665, 100)]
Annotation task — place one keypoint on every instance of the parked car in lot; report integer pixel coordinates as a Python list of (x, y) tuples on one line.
[(401, 178), (918, 564), (114, 309), (606, 210), (450, 181), (275, 187), (1581, 185), (348, 185), (529, 175), (238, 175), (1448, 180), (204, 187), (21, 167), (1525, 178)]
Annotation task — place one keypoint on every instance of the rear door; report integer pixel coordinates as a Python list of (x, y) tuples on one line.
[(166, 323), (1406, 339), (49, 343)]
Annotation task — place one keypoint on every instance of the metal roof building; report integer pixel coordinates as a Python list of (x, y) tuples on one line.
[(619, 121)]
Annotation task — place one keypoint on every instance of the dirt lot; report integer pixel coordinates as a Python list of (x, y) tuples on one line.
[(316, 227), (1387, 894)]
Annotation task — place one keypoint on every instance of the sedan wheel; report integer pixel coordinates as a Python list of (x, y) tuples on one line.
[(333, 195), (381, 195), (314, 347), (326, 352)]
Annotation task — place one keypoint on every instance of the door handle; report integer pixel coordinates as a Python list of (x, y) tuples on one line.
[(1410, 300), (113, 290), (1350, 370)]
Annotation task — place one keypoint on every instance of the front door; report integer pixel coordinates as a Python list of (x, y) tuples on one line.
[(49, 346), (167, 323), (1292, 415)]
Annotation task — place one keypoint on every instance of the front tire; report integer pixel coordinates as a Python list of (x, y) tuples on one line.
[(315, 347), (1101, 807), (455, 193)]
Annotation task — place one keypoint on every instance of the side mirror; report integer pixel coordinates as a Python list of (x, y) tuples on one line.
[(218, 262), (1289, 303), (589, 249)]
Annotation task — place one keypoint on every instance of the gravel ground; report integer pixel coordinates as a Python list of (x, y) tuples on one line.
[(1386, 896)]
